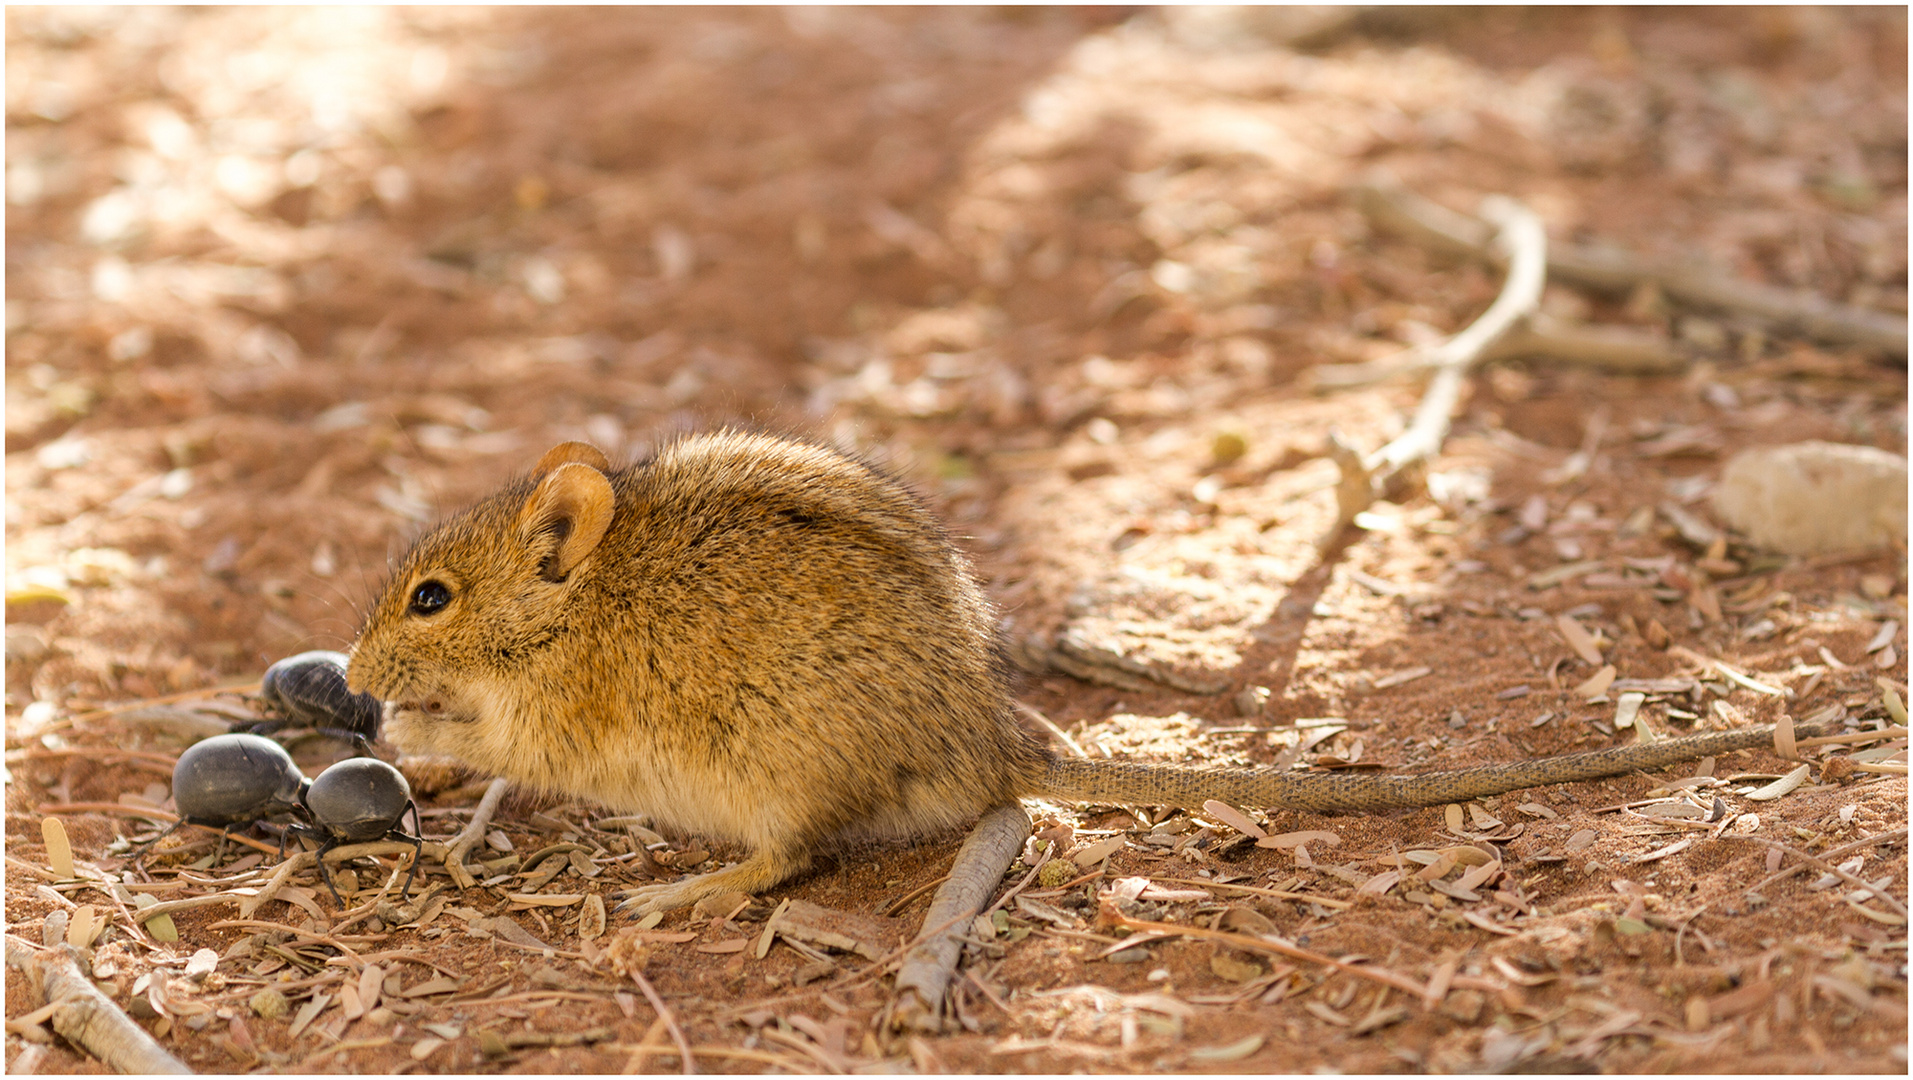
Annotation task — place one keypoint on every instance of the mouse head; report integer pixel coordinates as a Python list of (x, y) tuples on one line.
[(458, 632)]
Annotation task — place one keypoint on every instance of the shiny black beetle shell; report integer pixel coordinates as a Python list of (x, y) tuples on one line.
[(310, 689), (358, 799), (235, 778)]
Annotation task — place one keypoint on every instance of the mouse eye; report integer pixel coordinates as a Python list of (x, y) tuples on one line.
[(429, 598)]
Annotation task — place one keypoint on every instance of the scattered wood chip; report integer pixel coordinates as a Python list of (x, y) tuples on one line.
[(1627, 708), (591, 922), (732, 945), (1046, 912), (509, 930), (1885, 635), (441, 985), (1477, 919), (525, 900), (1153, 891), (1578, 639), (1399, 677), (1663, 852), (1581, 841), (1234, 1051), (308, 1013), (423, 1048), (1323, 1012), (843, 930), (1548, 579), (1292, 839), (1380, 1018)]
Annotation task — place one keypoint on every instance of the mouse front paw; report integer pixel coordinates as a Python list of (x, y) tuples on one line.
[(646, 899), (752, 876)]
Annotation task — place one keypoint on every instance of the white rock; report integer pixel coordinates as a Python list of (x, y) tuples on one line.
[(1813, 497)]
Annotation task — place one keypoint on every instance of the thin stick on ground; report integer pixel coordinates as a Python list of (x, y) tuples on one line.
[(1391, 207), (1366, 476), (926, 972), (670, 1022), (474, 831), (87, 1018), (1827, 867)]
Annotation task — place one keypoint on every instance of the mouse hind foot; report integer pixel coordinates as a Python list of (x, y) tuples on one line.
[(754, 875)]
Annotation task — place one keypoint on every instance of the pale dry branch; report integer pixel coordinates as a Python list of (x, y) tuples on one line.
[(1366, 476), (474, 831), (1395, 209), (87, 1018), (926, 972)]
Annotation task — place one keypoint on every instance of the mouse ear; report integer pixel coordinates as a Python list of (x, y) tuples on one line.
[(582, 452), (569, 510)]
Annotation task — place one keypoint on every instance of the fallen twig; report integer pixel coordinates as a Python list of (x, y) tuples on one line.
[(670, 1022), (1366, 476), (87, 1018), (1391, 207), (979, 865), (1619, 350), (1294, 952), (1820, 861), (474, 831), (1827, 867), (306, 935)]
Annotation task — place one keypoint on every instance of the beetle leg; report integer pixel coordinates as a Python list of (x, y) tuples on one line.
[(330, 843)]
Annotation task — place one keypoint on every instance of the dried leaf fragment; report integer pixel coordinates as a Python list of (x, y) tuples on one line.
[(1098, 851), (1781, 786), (1578, 639), (1234, 1051), (1397, 678), (59, 853), (1233, 818), (591, 921), (1597, 684)]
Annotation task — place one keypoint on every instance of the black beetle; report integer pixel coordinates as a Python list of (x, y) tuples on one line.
[(358, 799), (233, 779), (310, 689)]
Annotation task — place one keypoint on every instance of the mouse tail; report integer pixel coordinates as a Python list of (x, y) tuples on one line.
[(1125, 783)]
